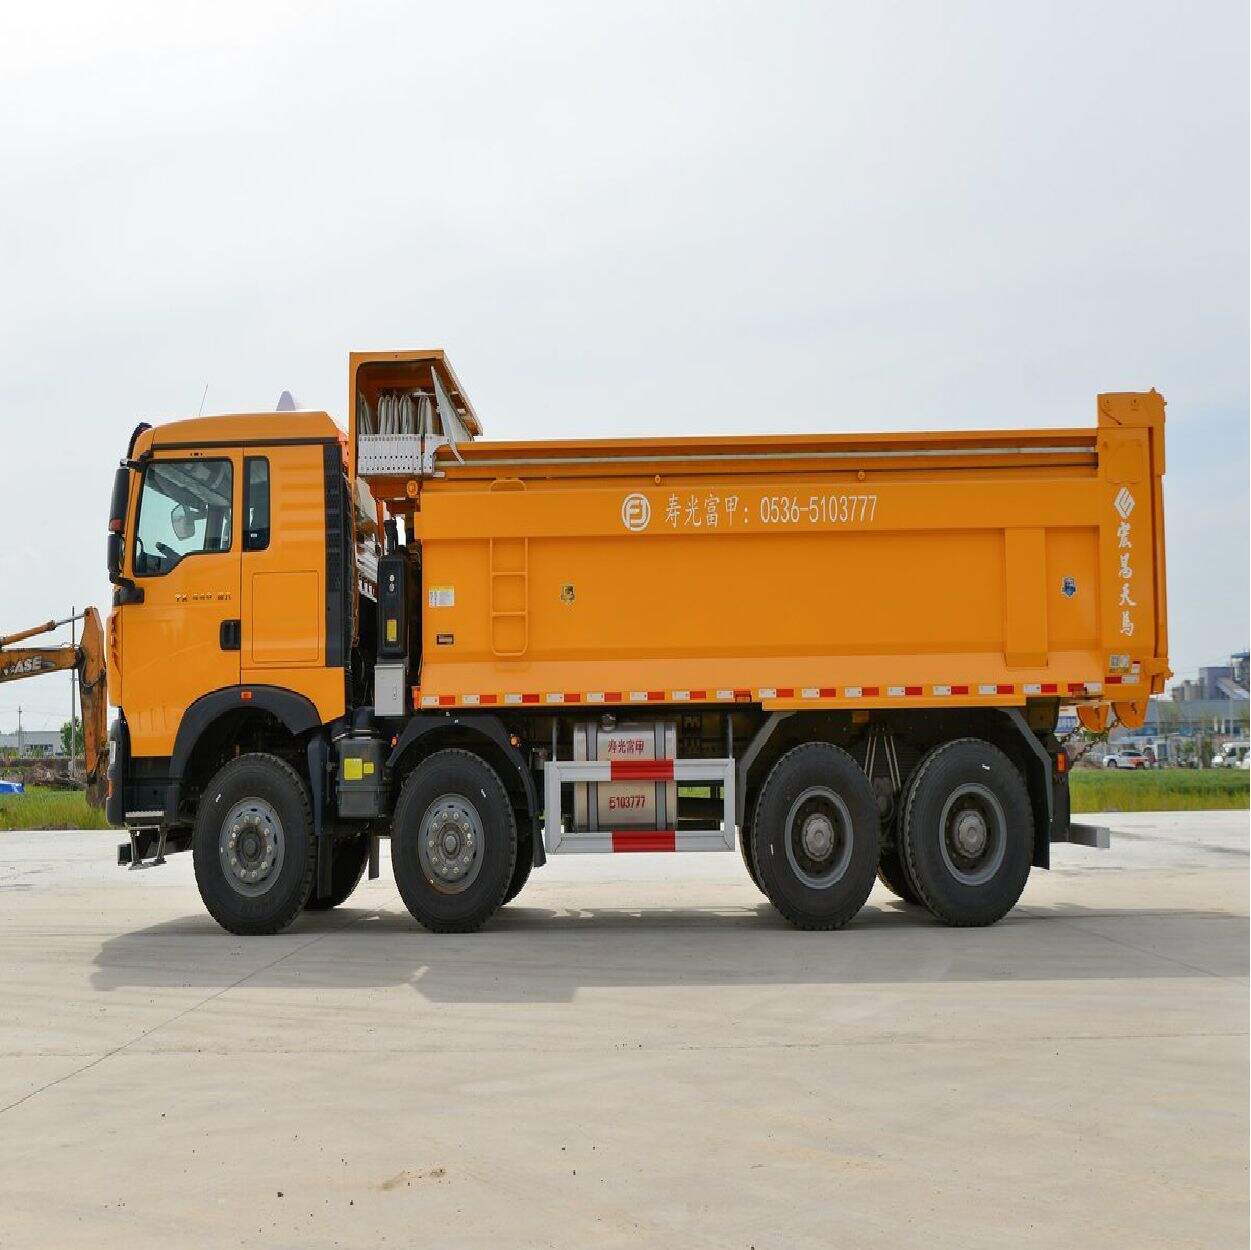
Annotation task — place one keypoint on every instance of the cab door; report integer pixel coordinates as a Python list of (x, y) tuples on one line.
[(182, 641), (283, 565)]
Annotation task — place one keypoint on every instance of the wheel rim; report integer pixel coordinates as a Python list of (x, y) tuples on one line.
[(251, 846), (973, 834), (450, 844), (818, 837)]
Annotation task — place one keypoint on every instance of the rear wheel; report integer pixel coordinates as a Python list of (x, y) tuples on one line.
[(892, 874), (815, 836), (967, 833), (347, 868), (744, 847), (453, 842), (253, 848)]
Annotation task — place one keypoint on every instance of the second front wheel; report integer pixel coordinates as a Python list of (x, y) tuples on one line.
[(815, 836), (453, 842)]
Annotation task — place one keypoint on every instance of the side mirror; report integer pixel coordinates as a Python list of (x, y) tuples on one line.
[(117, 504), (114, 556), (182, 521)]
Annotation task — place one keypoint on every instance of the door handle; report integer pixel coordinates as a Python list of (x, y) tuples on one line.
[(230, 636)]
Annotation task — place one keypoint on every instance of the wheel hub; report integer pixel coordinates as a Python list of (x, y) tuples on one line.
[(818, 836), (251, 846), (450, 843), (971, 833)]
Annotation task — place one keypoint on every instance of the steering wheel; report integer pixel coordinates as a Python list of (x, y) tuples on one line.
[(169, 553)]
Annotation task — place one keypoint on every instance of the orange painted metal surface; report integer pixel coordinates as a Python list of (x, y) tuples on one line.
[(856, 570), (859, 571), (165, 652)]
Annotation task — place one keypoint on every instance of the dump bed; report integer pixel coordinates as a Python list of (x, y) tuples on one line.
[(856, 570)]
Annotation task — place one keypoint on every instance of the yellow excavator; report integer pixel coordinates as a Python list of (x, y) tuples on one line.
[(87, 660)]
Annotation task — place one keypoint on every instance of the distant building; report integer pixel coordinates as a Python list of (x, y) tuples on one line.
[(1194, 716), (1211, 708), (32, 742), (1215, 682), (1241, 664)]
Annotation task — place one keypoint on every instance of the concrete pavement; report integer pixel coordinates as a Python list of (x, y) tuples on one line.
[(637, 1052)]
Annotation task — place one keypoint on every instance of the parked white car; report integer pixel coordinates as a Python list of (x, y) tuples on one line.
[(1233, 755), (1126, 759)]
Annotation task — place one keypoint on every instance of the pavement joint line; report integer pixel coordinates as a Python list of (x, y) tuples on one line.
[(626, 1049), (1142, 950), (186, 1011)]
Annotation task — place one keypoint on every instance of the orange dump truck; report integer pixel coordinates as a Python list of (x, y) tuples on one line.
[(844, 654)]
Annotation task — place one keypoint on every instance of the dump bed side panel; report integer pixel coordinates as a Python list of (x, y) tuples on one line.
[(943, 580)]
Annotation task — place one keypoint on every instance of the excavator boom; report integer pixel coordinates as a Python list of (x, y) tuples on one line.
[(87, 660)]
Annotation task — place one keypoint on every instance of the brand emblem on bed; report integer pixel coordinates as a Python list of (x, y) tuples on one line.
[(636, 512)]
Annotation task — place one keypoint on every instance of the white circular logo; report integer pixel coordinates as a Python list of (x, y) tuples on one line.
[(636, 512)]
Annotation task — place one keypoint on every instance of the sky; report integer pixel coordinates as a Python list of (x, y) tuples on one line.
[(623, 219)]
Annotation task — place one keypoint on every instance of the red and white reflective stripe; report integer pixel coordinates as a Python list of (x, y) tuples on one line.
[(640, 770), (624, 840), (762, 694)]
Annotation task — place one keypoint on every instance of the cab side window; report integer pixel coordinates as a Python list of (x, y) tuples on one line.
[(255, 503), (184, 510)]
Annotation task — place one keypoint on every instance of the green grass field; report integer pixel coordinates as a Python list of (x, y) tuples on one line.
[(41, 808), (1094, 790), (1158, 790)]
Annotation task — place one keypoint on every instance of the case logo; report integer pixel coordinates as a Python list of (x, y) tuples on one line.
[(636, 512)]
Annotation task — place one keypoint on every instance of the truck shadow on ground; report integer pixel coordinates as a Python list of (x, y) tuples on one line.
[(537, 954)]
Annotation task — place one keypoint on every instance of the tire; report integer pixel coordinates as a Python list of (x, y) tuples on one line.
[(348, 867), (256, 804), (453, 842), (892, 874), (744, 846), (521, 871), (967, 886), (816, 790)]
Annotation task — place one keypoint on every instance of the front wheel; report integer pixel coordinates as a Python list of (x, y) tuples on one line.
[(453, 842), (521, 870), (347, 867), (815, 836), (253, 847)]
